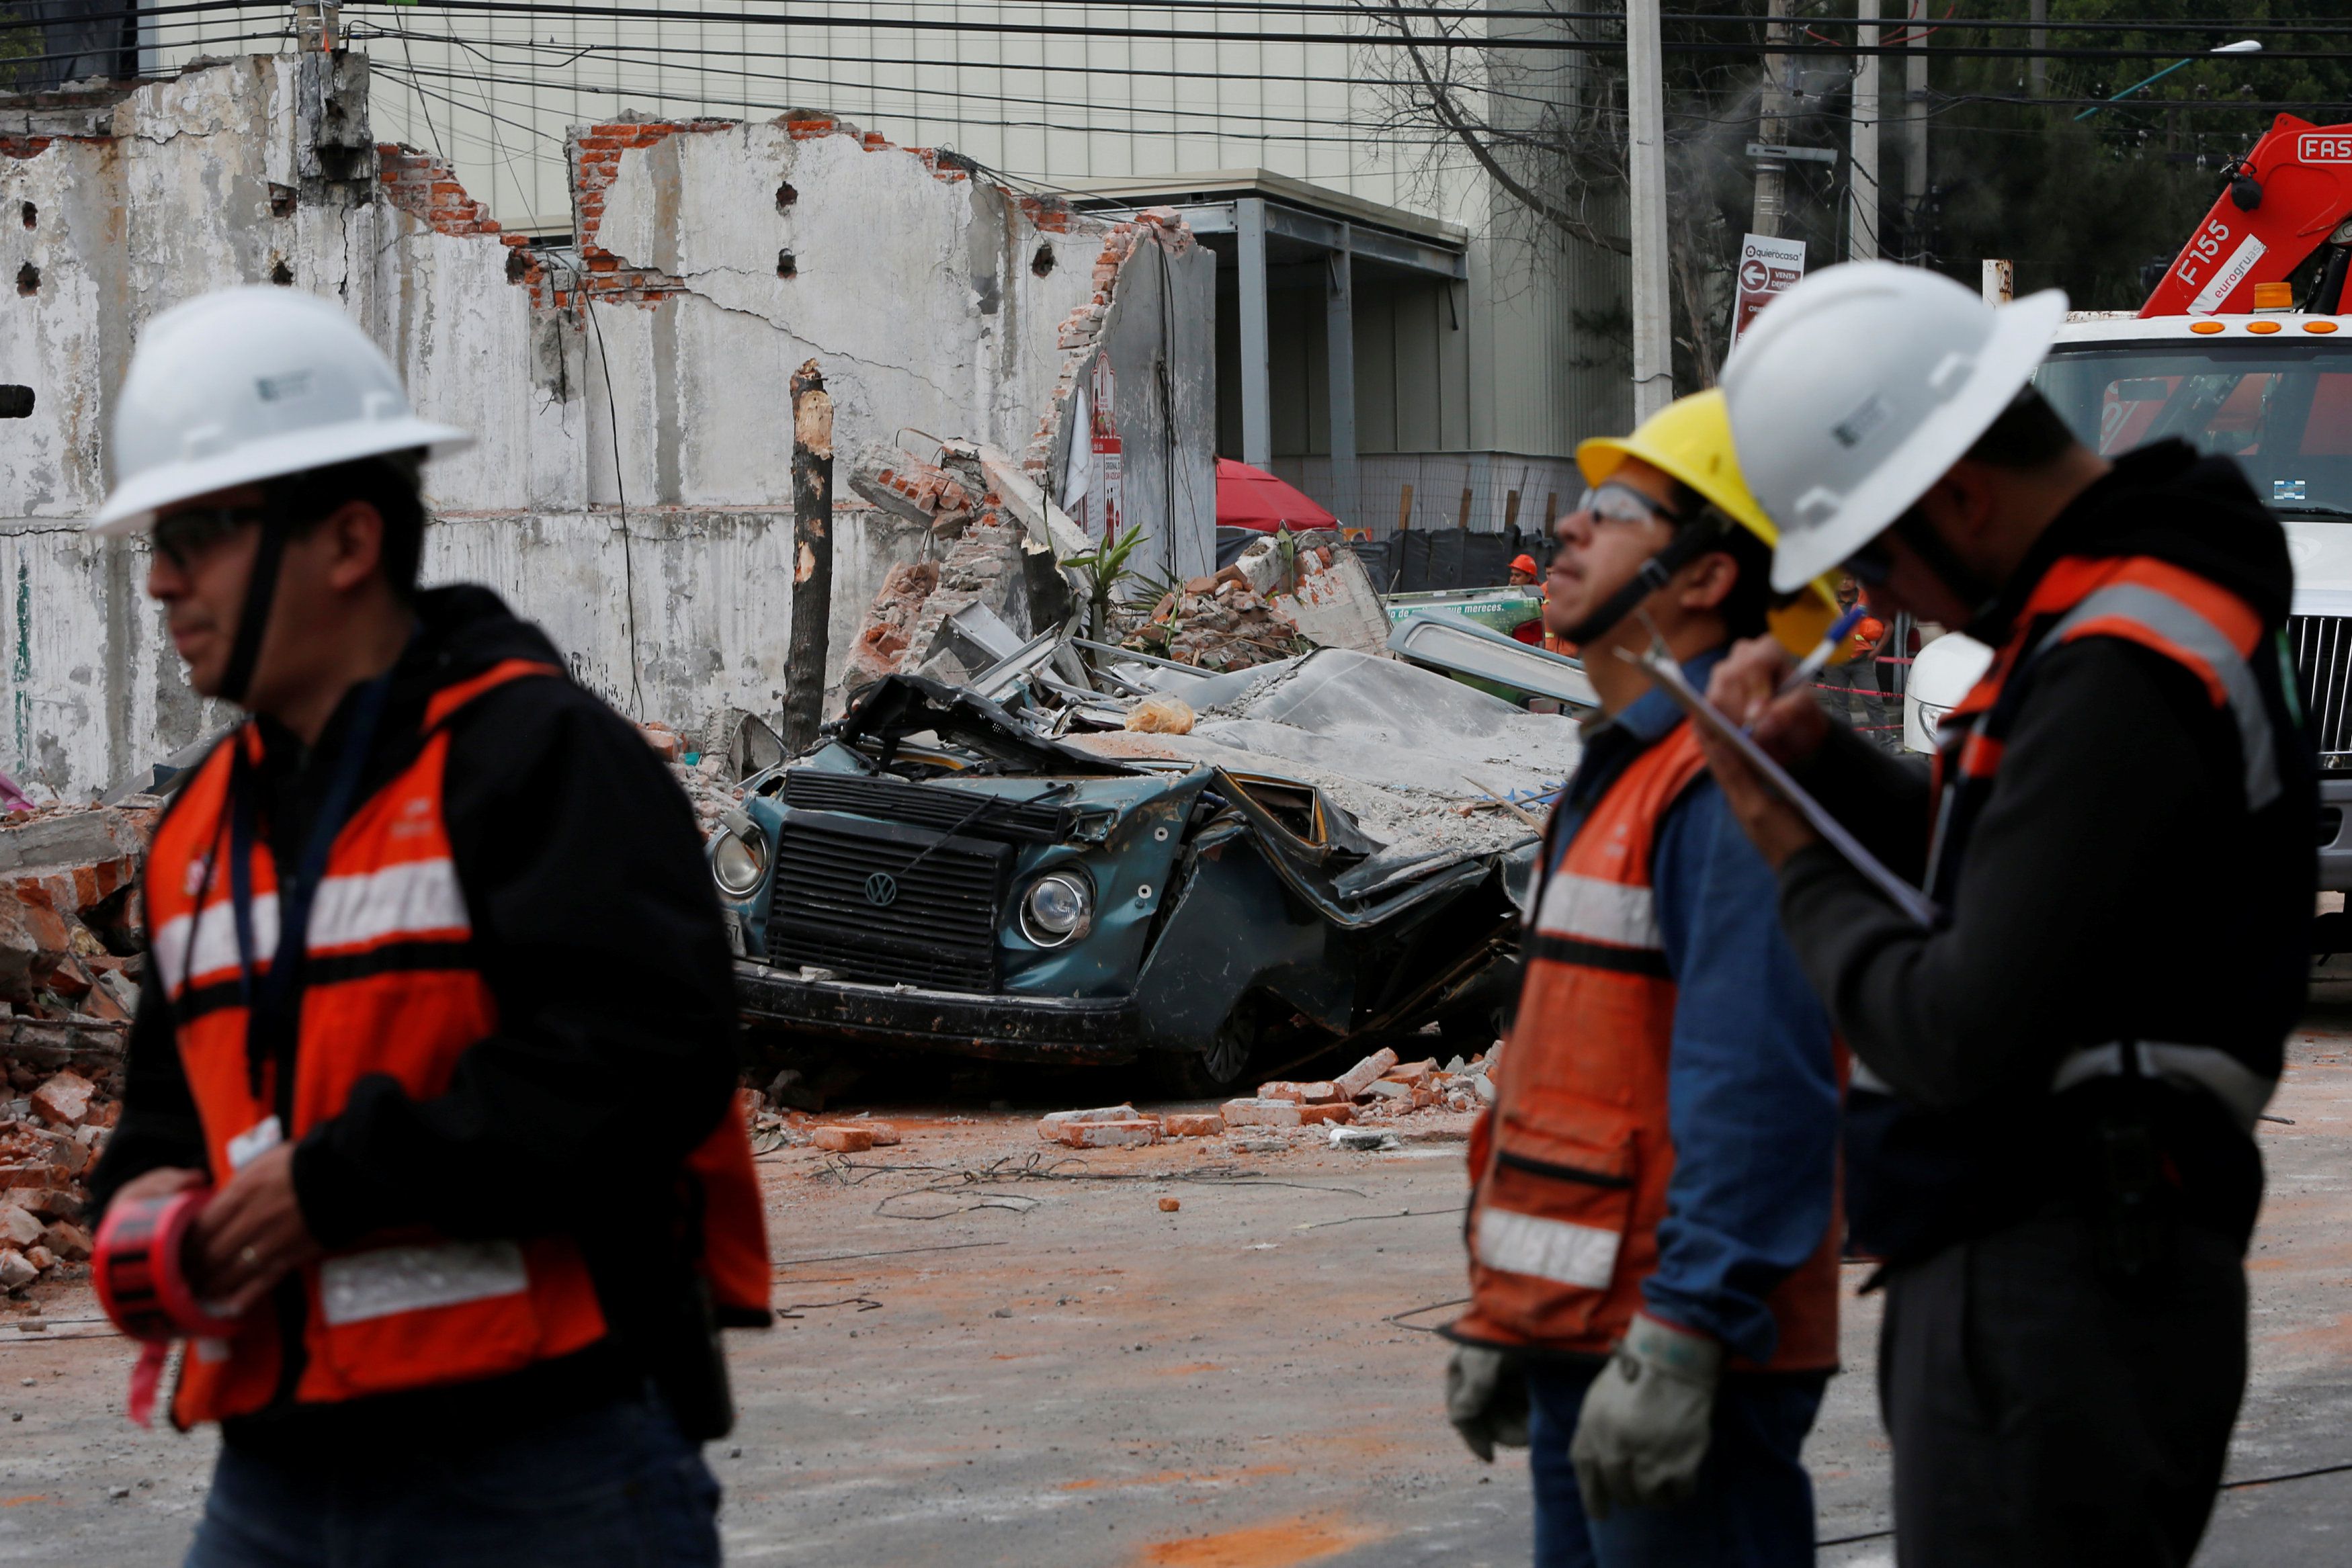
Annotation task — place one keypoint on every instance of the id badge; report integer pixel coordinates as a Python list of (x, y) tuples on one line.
[(255, 1142)]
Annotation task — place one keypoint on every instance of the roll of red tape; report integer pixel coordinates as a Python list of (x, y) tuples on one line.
[(138, 1264), (139, 1267)]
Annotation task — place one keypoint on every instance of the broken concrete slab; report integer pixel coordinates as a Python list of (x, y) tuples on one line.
[(1259, 1112), (1133, 1134), (1357, 1080), (1050, 1125), (1317, 1093)]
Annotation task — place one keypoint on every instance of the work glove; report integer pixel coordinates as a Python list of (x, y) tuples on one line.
[(1646, 1418), (1487, 1399)]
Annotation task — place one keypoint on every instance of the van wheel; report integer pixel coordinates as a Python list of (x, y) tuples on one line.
[(1216, 1072)]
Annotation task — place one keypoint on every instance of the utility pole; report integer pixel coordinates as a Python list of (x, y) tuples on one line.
[(1914, 97), (1772, 125), (2037, 37), (808, 648), (1862, 177), (1646, 104)]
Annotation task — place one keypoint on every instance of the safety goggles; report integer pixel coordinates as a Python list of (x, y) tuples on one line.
[(1614, 501), (184, 537)]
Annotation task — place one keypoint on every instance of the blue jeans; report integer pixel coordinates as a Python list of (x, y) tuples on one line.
[(1755, 1502), (617, 1487)]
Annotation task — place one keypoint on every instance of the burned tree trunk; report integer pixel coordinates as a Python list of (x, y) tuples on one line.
[(806, 658)]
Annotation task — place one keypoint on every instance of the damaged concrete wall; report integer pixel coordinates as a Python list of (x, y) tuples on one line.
[(709, 259), (1138, 418)]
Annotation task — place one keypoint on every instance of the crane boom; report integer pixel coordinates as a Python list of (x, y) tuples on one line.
[(2292, 193)]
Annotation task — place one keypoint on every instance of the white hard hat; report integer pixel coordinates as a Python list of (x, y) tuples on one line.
[(1855, 390), (249, 385)]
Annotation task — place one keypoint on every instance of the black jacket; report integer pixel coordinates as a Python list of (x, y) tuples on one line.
[(2113, 887), (597, 928)]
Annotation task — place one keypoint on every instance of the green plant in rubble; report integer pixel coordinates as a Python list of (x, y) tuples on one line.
[(1106, 570)]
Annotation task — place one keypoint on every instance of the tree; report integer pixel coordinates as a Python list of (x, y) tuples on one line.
[(2085, 206)]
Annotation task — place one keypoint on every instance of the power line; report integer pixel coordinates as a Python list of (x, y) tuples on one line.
[(1222, 114), (1355, 135), (1381, 39), (1442, 13)]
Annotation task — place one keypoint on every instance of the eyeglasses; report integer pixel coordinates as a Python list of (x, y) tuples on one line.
[(1614, 501), (184, 535)]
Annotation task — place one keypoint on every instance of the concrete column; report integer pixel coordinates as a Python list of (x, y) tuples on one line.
[(1772, 126), (1257, 398), (1915, 103), (1861, 184), (1654, 375), (1340, 370)]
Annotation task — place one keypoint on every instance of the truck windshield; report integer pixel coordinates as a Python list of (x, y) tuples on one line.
[(2283, 410)]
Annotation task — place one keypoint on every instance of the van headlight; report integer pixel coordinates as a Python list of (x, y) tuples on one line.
[(738, 861), (1059, 908), (1931, 721)]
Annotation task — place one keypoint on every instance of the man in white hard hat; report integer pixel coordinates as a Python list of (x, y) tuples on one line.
[(429, 938), (2050, 1138)]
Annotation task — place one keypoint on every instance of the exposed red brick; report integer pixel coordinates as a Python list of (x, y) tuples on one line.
[(842, 1140), (65, 1099), (1192, 1124)]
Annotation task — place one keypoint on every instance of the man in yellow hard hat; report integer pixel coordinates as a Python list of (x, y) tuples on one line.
[(1652, 1234)]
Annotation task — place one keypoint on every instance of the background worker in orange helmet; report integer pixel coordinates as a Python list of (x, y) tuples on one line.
[(1533, 631), (1848, 687)]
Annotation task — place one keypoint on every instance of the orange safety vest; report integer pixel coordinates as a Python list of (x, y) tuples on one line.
[(389, 988), (1571, 1162)]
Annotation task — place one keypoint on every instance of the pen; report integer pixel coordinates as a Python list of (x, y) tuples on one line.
[(1823, 651)]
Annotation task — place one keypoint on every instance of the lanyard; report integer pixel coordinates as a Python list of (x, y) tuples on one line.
[(270, 1015)]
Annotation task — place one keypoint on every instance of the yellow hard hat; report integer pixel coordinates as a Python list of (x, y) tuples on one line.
[(1690, 439)]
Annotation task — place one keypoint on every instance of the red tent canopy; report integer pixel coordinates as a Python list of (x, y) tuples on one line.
[(1251, 497)]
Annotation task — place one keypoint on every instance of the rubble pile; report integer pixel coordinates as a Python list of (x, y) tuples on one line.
[(70, 962), (1217, 623), (1379, 1091), (708, 788)]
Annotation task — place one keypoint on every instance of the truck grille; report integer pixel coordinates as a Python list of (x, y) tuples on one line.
[(921, 806), (886, 904), (2323, 656)]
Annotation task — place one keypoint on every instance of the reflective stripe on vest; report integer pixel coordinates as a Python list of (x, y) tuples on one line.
[(1572, 1163), (2242, 1090), (2166, 609), (2158, 620), (390, 987)]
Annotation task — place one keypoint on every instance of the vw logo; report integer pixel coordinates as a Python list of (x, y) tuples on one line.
[(881, 890)]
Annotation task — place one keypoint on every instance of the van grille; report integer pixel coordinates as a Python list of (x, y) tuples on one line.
[(947, 809), (2323, 656), (885, 905)]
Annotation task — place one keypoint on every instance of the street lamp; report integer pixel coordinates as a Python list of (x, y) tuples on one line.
[(2242, 47)]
